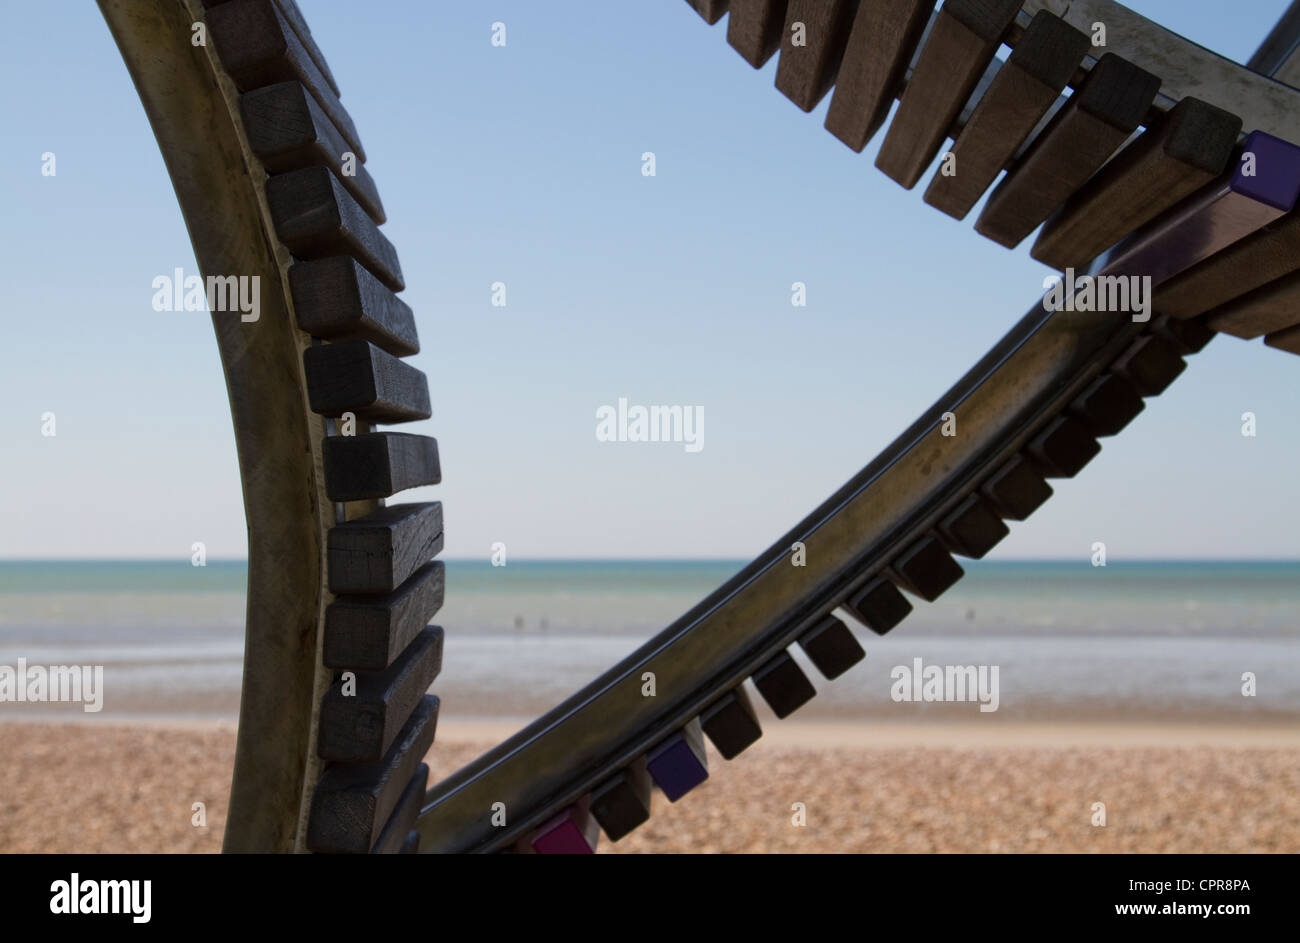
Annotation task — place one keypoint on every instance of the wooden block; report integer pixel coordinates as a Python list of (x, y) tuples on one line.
[(289, 9), (376, 553), (1187, 337), (805, 73), (879, 605), (1017, 489), (1151, 364), (879, 48), (259, 47), (392, 840), (360, 727), (622, 803), (572, 832), (754, 29), (710, 10), (358, 377), (963, 39), (783, 685), (1108, 404), (1063, 448), (288, 130), (352, 801), (1288, 340), (315, 217), (337, 299), (367, 633), (1250, 263), (1186, 150), (973, 528), (731, 723), (831, 646), (1261, 185), (1025, 87), (679, 764), (378, 464), (927, 569), (1098, 118), (1270, 308)]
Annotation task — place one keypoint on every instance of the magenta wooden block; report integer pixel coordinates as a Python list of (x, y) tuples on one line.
[(572, 832)]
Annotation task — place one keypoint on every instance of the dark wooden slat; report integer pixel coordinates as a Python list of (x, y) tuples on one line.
[(731, 723), (831, 647), (315, 217), (258, 46), (973, 528), (1271, 308), (754, 29), (412, 844), (879, 605), (804, 74), (1150, 364), (1187, 337), (291, 13), (378, 464), (783, 685), (1108, 404), (378, 552), (927, 569), (622, 803), (963, 39), (366, 633), (1185, 151), (1288, 340), (1021, 93), (710, 10), (1017, 489), (352, 801), (1063, 448), (338, 299), (392, 839), (1098, 118), (1247, 264), (288, 130), (359, 727), (358, 377), (879, 48)]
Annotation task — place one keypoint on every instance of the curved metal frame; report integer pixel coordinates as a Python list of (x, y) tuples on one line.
[(1042, 362)]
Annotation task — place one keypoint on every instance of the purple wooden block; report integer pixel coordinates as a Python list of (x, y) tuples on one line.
[(1225, 210), (572, 832), (678, 764)]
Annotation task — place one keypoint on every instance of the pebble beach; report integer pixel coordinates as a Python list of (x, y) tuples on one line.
[(132, 788)]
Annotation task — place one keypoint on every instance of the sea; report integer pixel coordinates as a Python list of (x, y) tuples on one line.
[(1152, 641)]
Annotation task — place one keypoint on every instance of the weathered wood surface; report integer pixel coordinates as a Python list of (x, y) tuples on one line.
[(357, 377), (338, 299), (358, 726), (1022, 92), (1098, 118), (378, 552), (367, 633), (379, 464), (316, 217), (962, 42)]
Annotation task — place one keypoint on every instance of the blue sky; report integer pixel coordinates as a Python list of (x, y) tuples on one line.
[(522, 164)]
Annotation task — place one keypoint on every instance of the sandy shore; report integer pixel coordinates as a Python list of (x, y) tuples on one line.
[(880, 788)]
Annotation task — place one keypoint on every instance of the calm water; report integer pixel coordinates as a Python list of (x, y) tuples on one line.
[(1132, 640)]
